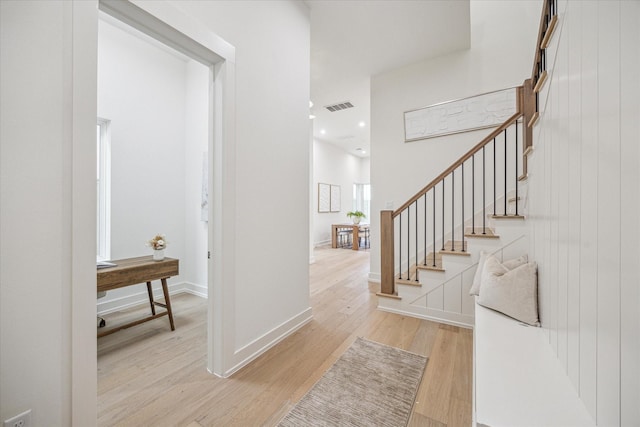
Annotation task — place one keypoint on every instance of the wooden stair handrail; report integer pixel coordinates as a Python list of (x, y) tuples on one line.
[(460, 161), (544, 32), (541, 29)]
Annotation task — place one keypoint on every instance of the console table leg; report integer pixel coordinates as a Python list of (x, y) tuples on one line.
[(167, 301), (150, 292)]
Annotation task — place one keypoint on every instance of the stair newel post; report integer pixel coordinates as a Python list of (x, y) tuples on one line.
[(505, 172), (484, 187), (462, 206), (434, 225), (453, 210), (416, 240), (494, 177), (529, 109), (400, 247), (409, 242), (425, 229), (442, 214), (387, 250), (516, 171), (473, 194)]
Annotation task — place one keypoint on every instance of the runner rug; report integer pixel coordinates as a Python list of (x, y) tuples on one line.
[(369, 385)]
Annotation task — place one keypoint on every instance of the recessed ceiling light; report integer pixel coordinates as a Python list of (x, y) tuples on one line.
[(361, 124), (322, 131), (311, 116), (310, 104)]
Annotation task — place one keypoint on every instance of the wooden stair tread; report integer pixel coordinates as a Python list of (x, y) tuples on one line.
[(499, 216), (430, 267), (456, 248), (457, 253), (429, 263), (409, 282), (489, 233)]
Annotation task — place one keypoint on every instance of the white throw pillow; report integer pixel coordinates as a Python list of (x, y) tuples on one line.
[(514, 293), (515, 262), (509, 265), (475, 286)]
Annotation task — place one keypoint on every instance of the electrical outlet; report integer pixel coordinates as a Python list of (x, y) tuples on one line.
[(20, 420)]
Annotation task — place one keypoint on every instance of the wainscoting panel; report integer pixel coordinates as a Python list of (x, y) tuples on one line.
[(584, 205), (608, 51), (572, 33), (552, 212), (629, 209), (561, 192), (588, 207)]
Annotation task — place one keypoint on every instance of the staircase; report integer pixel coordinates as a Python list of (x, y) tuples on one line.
[(441, 293), (430, 246)]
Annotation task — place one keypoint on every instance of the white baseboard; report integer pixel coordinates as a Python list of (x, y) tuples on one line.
[(251, 351), (375, 277), (195, 289), (322, 243), (453, 319), (139, 298)]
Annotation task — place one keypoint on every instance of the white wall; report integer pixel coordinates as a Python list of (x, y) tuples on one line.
[(47, 214), (141, 89), (47, 208), (332, 165), (584, 202), (194, 270), (365, 170), (502, 41), (157, 103), (271, 292)]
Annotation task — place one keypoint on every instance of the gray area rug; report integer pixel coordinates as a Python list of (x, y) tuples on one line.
[(370, 385)]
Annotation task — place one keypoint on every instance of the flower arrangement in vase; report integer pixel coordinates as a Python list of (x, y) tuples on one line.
[(158, 244)]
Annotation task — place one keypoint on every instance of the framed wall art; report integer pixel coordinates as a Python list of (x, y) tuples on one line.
[(335, 198), (462, 115), (324, 197)]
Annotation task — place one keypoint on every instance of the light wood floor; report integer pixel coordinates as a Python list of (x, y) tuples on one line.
[(150, 376)]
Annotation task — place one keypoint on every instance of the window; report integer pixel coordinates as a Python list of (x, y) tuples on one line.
[(362, 199), (103, 168)]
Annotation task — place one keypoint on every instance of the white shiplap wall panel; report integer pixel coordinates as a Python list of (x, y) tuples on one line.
[(608, 357), (584, 202), (588, 204), (629, 208), (572, 34), (552, 208), (588, 211), (562, 194), (543, 227)]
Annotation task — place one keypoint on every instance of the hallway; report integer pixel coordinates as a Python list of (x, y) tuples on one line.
[(150, 376)]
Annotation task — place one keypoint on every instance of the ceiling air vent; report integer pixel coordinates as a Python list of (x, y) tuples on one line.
[(338, 107)]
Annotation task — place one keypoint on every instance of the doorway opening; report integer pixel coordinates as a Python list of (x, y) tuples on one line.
[(205, 59)]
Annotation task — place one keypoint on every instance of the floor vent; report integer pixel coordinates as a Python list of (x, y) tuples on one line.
[(339, 106)]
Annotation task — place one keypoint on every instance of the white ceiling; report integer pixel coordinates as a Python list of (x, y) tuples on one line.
[(352, 40)]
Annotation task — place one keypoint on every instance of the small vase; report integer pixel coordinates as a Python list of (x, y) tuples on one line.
[(158, 254), (356, 220)]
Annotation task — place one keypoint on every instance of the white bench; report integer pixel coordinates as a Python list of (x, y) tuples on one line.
[(518, 379)]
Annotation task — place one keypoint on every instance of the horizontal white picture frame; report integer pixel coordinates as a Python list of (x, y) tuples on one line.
[(462, 115)]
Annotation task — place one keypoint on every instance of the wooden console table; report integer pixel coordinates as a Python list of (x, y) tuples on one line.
[(132, 271)]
